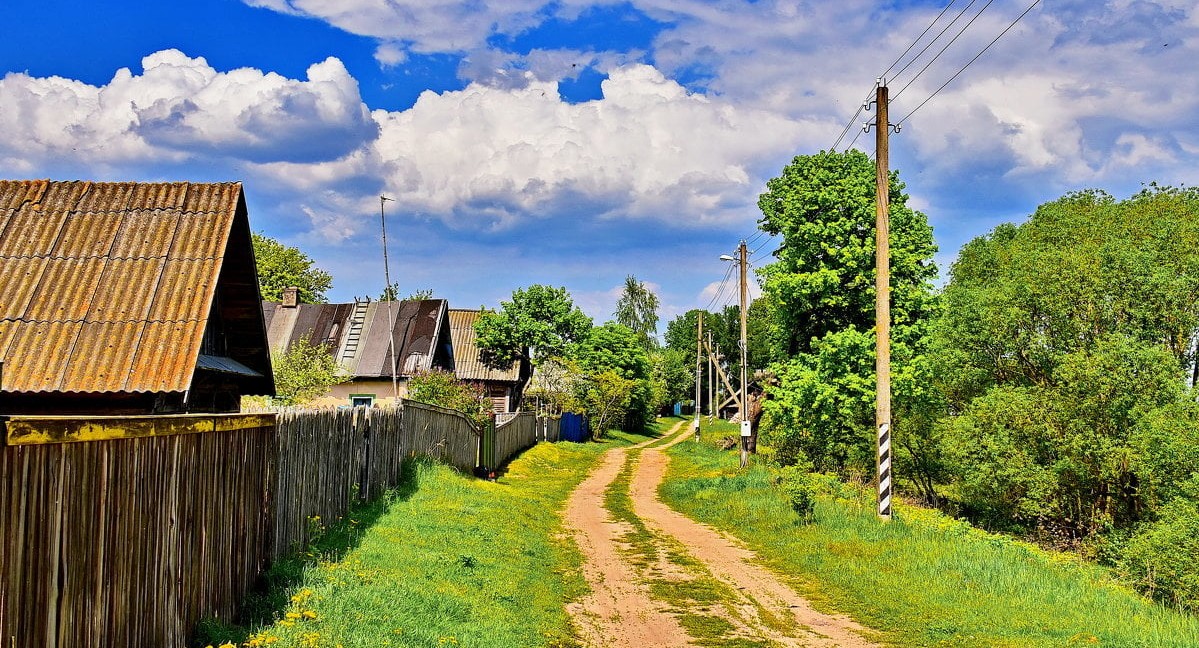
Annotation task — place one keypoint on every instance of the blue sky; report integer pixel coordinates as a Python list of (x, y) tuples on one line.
[(577, 141)]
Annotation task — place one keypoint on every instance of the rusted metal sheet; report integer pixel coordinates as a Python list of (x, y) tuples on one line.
[(108, 286), (467, 362)]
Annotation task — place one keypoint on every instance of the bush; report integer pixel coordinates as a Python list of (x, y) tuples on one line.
[(1159, 559), (438, 387), (799, 489)]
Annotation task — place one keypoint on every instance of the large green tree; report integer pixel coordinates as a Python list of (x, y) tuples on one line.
[(281, 266), (820, 298), (1065, 348), (637, 309), (538, 324), (823, 280)]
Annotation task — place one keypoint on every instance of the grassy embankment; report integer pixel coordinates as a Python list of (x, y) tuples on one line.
[(445, 560), (924, 579)]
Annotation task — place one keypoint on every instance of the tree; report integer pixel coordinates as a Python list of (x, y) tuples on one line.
[(637, 309), (281, 266), (823, 281), (304, 371), (1064, 344), (540, 323), (818, 314), (442, 388), (616, 348)]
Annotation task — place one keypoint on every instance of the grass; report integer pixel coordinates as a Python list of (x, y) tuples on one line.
[(924, 579), (448, 560)]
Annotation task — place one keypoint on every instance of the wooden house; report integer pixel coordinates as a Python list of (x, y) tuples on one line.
[(360, 336), (128, 298)]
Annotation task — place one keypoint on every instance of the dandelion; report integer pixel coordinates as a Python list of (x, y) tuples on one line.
[(293, 615), (309, 614)]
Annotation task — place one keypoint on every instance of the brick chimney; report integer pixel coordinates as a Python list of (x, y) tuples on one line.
[(291, 297)]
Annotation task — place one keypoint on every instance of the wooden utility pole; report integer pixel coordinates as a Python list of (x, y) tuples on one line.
[(711, 381), (743, 261), (882, 298), (699, 369)]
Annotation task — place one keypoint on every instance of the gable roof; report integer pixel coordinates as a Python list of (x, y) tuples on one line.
[(467, 358), (420, 327), (108, 287)]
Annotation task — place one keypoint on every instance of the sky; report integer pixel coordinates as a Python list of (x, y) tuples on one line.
[(575, 142)]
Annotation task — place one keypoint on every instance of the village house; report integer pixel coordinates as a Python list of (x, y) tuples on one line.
[(128, 298), (360, 337), (503, 386)]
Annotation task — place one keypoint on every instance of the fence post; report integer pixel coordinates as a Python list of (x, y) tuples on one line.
[(488, 453)]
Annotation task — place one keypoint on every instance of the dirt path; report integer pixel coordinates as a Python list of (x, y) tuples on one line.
[(678, 583)]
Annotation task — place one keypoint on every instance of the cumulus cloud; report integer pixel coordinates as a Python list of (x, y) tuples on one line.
[(648, 149), (181, 108)]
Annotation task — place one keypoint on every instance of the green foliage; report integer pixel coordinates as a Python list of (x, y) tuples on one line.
[(304, 372), (799, 489), (823, 281), (818, 321), (439, 387), (540, 323), (281, 266), (674, 375), (391, 293), (605, 397), (616, 349), (637, 309), (1160, 557), (725, 327)]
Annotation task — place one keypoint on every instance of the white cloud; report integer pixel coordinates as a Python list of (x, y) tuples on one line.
[(179, 109), (485, 156)]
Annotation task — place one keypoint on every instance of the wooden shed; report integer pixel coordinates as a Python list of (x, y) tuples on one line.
[(128, 298)]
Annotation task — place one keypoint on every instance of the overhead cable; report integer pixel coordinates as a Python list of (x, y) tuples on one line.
[(963, 68), (947, 45)]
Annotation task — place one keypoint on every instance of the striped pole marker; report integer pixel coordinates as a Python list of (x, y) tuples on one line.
[(884, 470)]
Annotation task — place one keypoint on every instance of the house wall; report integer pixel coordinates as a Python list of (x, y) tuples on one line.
[(340, 394)]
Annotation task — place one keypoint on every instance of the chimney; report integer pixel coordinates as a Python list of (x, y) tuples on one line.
[(291, 297)]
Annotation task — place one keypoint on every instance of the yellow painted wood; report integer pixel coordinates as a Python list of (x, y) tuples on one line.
[(37, 430)]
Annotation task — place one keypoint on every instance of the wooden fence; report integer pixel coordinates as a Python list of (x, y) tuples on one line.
[(127, 531), (129, 541)]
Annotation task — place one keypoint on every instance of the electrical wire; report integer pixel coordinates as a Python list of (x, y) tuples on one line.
[(905, 52), (963, 68), (947, 45), (935, 39), (720, 290)]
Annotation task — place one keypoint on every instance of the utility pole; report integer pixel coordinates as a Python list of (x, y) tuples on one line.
[(746, 424), (882, 297), (699, 344), (711, 381), (391, 321)]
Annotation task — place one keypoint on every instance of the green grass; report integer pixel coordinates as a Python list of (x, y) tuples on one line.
[(448, 561), (924, 579)]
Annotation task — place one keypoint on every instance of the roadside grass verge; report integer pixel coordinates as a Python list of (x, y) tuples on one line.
[(924, 579), (449, 561)]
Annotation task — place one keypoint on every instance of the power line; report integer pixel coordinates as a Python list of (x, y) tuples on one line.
[(720, 290), (935, 39), (905, 52), (947, 45), (963, 68)]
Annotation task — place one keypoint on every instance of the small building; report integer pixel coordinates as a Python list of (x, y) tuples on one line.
[(360, 336), (128, 298), (503, 386)]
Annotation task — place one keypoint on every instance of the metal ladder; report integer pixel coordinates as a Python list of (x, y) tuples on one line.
[(354, 334)]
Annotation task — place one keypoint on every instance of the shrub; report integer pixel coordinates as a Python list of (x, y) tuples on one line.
[(799, 489), (1159, 559)]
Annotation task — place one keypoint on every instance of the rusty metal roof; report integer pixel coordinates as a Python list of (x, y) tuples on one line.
[(107, 287), (420, 329), (467, 363)]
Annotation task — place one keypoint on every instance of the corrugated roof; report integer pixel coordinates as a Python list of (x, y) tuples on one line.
[(417, 327), (467, 362), (107, 287)]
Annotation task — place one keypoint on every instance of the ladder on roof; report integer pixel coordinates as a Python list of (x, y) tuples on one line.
[(354, 334)]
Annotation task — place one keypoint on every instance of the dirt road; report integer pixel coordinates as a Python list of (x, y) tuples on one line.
[(660, 579)]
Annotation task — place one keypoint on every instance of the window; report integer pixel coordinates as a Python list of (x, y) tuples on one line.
[(362, 400)]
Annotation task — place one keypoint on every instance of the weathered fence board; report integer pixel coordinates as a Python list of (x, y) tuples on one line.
[(130, 539)]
